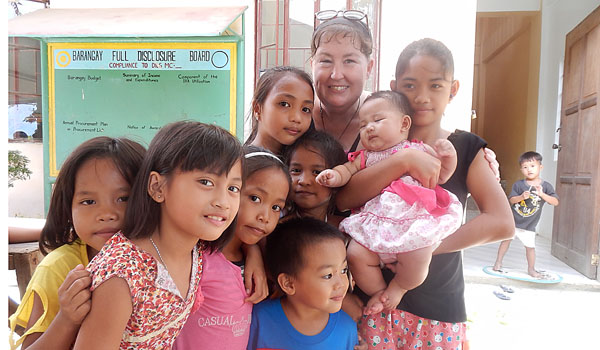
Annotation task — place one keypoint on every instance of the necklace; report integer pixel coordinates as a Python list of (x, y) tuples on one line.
[(158, 251), (347, 124)]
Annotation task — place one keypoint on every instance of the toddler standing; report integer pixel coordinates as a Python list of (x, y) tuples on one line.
[(527, 198)]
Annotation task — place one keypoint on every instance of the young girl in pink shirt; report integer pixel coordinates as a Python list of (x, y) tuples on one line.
[(221, 315)]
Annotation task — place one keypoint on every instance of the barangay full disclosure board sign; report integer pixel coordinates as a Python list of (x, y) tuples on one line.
[(132, 89)]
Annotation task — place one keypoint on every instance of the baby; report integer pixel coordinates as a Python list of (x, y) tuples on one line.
[(406, 222)]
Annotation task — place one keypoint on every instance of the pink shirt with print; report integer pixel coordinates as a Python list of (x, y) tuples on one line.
[(222, 320)]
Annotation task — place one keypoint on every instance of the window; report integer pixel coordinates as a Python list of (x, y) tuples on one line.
[(24, 90), (284, 29)]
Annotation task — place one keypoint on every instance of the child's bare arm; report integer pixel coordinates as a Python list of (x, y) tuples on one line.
[(111, 309), (494, 223), (74, 298), (255, 277), (339, 175), (549, 199), (516, 199)]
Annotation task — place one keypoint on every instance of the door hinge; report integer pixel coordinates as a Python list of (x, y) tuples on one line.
[(595, 260)]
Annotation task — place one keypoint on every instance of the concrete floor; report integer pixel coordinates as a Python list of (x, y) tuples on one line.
[(538, 316)]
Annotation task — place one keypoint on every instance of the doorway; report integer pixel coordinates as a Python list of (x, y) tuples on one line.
[(505, 86)]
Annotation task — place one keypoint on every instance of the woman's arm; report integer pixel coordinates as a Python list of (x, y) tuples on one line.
[(74, 299), (369, 182), (494, 223), (111, 309)]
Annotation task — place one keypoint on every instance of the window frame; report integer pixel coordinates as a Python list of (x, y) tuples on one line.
[(285, 48)]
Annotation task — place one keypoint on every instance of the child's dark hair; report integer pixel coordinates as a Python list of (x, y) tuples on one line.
[(427, 47), (397, 99), (265, 84), (286, 246), (357, 30), (257, 158), (127, 156), (327, 147), (183, 146), (530, 155)]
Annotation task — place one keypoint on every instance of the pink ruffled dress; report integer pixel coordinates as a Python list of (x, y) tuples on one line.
[(406, 216)]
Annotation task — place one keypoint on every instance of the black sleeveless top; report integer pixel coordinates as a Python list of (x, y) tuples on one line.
[(441, 296)]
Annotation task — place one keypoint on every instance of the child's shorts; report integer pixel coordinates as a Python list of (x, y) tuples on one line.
[(526, 236)]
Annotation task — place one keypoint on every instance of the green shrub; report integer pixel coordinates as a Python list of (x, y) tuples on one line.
[(17, 167)]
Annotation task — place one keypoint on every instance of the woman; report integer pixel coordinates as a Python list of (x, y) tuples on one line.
[(341, 64)]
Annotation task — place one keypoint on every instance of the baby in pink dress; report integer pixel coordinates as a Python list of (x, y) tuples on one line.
[(405, 223)]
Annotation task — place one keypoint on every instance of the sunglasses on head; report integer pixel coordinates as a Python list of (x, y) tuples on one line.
[(352, 15)]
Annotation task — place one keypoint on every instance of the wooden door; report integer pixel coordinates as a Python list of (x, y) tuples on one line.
[(505, 86), (576, 232)]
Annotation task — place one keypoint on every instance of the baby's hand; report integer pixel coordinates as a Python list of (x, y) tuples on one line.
[(538, 189), (526, 195), (444, 148), (329, 178), (74, 296)]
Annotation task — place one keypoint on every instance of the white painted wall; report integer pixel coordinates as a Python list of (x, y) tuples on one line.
[(26, 198), (451, 22), (508, 5)]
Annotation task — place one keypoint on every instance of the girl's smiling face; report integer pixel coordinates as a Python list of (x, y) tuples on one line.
[(340, 71), (263, 196), (285, 114), (428, 87), (307, 194), (99, 201), (198, 203)]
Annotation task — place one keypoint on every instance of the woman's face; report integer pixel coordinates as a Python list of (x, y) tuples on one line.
[(339, 71)]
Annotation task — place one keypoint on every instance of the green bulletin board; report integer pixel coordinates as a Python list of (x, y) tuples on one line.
[(131, 89)]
